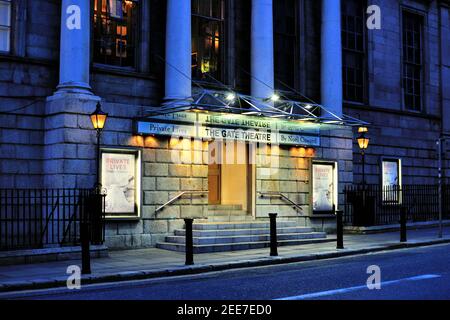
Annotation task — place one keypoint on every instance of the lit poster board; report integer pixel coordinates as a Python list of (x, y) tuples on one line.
[(323, 187), (391, 180), (120, 179), (391, 172)]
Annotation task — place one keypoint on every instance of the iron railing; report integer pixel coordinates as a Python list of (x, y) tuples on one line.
[(371, 205), (38, 218)]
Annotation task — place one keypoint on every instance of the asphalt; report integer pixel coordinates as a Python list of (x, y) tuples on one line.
[(155, 263), (416, 273)]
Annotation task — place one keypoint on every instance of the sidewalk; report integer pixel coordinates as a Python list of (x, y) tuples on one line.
[(152, 262)]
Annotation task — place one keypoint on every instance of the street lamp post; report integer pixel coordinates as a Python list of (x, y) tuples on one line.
[(363, 143), (98, 118), (439, 143)]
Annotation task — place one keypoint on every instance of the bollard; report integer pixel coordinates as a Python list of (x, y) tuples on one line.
[(339, 230), (189, 242), (403, 224), (273, 234), (85, 248)]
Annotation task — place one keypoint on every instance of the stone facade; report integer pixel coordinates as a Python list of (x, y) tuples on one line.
[(46, 140)]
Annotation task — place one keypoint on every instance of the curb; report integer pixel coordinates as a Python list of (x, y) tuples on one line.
[(190, 270)]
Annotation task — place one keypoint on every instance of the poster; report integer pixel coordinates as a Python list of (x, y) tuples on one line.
[(391, 179), (120, 182), (323, 187), (390, 173)]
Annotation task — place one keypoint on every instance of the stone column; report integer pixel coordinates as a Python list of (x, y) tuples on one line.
[(75, 47), (262, 65), (331, 59), (69, 139), (178, 50)]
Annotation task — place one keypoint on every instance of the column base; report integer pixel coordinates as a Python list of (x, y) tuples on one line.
[(69, 141), (74, 87), (177, 100)]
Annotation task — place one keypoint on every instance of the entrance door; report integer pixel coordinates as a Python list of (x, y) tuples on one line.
[(214, 173), (230, 174)]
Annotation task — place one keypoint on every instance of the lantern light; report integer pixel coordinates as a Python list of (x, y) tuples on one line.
[(98, 118), (363, 142), (363, 130)]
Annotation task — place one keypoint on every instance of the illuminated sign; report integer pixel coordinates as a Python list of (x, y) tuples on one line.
[(231, 127)]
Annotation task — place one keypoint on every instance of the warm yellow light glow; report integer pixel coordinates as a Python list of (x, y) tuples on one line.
[(310, 152), (136, 141), (98, 118), (363, 130), (363, 142), (151, 141)]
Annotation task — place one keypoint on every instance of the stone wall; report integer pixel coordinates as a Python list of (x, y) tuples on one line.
[(169, 167), (394, 131)]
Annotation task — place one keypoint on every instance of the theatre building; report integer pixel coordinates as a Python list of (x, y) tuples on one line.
[(222, 110)]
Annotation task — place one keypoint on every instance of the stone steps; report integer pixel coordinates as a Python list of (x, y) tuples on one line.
[(226, 212), (225, 207), (238, 232), (240, 235), (226, 218), (239, 225)]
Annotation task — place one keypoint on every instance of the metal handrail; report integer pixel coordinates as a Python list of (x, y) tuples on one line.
[(178, 196), (281, 196)]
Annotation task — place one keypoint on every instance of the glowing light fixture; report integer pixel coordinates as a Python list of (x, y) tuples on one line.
[(363, 130), (363, 142), (98, 118), (230, 96), (275, 97)]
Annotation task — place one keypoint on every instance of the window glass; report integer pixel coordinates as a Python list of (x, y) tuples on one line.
[(115, 28), (285, 43), (412, 61), (207, 39), (5, 25), (353, 55)]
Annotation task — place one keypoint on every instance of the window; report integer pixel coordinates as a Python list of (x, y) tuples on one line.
[(115, 32), (285, 43), (353, 45), (412, 61), (5, 25), (207, 39)]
